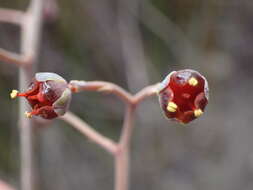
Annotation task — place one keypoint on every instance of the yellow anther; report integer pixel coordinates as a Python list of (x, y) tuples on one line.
[(198, 112), (13, 94), (28, 114), (172, 107), (193, 81)]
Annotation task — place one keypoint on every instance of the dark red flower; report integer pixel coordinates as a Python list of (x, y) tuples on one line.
[(183, 95), (48, 95)]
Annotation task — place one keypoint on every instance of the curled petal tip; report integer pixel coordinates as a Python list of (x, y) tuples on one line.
[(28, 114), (193, 81), (13, 94), (198, 112), (172, 107)]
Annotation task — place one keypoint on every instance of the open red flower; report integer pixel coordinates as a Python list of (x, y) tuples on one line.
[(48, 95), (183, 95)]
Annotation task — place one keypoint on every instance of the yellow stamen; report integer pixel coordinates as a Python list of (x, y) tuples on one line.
[(28, 114), (198, 112), (193, 81), (172, 107), (13, 94)]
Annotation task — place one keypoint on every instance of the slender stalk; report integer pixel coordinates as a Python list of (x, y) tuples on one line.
[(145, 93), (18, 18), (127, 126), (11, 16), (29, 47), (121, 170), (13, 58), (30, 23), (101, 86), (86, 130), (122, 157)]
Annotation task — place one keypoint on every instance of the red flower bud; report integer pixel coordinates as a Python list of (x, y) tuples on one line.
[(48, 95), (183, 95)]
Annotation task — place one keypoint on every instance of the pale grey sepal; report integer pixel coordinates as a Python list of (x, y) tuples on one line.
[(62, 104), (165, 82), (46, 76)]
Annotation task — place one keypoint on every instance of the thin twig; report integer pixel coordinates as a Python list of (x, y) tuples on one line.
[(121, 169), (145, 92), (29, 48), (101, 86), (13, 58), (127, 126), (86, 130), (18, 18), (11, 16), (5, 186), (30, 23), (122, 158)]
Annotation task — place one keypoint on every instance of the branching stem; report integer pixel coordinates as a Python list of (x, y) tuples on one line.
[(120, 150)]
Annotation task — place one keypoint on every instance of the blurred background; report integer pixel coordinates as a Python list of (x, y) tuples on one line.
[(134, 43)]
